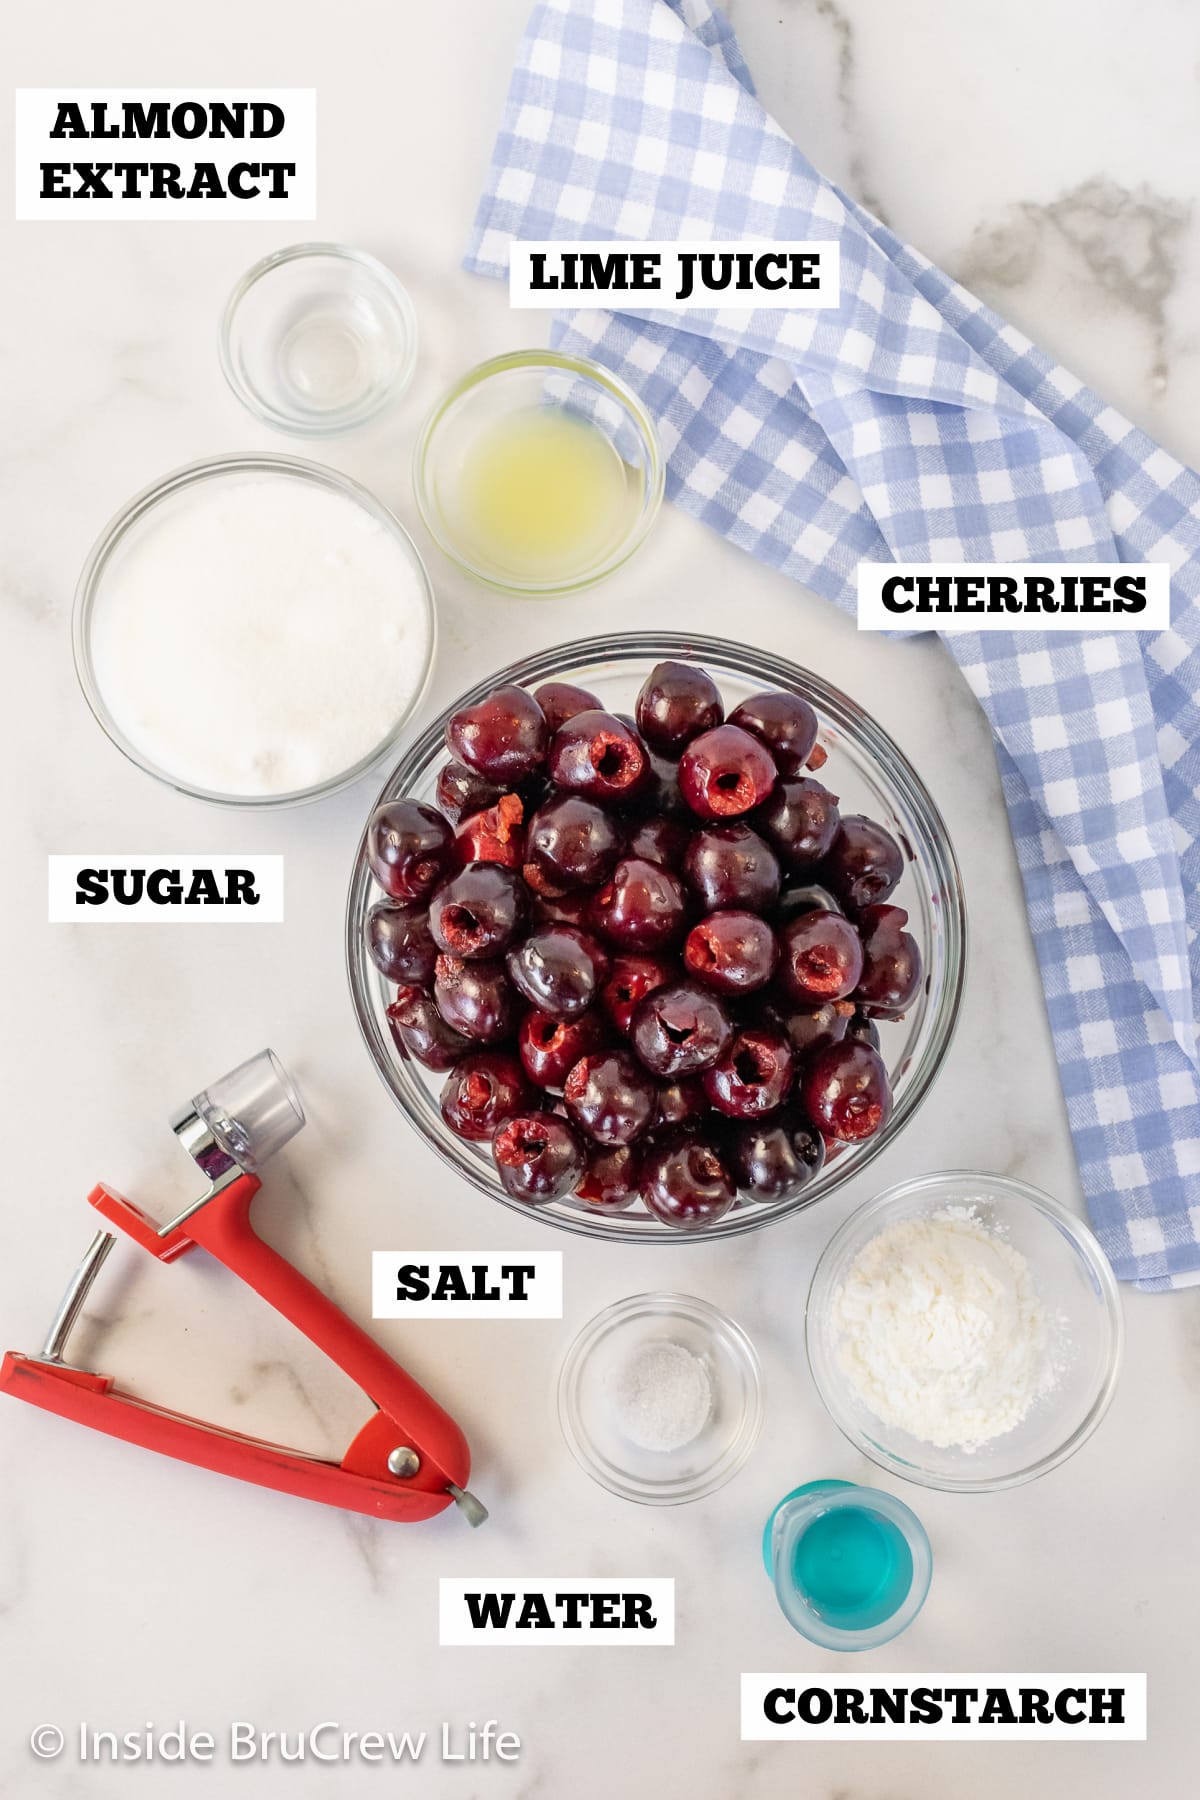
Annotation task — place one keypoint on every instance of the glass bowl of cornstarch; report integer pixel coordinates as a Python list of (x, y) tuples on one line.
[(964, 1331)]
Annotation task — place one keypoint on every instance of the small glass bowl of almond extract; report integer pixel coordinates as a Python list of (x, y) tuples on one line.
[(539, 473), (317, 338)]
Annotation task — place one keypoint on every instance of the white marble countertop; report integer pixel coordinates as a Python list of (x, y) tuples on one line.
[(1046, 153)]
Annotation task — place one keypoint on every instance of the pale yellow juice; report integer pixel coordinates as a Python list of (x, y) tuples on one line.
[(542, 495)]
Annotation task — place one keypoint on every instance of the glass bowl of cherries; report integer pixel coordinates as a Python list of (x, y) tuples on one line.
[(658, 936)]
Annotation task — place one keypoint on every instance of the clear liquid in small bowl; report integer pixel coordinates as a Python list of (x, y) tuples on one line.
[(332, 354)]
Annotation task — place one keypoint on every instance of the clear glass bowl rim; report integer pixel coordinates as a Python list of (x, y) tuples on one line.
[(346, 418), (771, 670), (657, 1305), (1082, 1239), (135, 509), (541, 359)]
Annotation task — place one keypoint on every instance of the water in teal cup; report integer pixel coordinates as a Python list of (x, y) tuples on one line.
[(851, 1565)]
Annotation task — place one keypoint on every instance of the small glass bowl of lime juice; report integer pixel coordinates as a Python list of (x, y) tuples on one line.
[(539, 473)]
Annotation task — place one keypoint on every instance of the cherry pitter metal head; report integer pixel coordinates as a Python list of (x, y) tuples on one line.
[(409, 1461)]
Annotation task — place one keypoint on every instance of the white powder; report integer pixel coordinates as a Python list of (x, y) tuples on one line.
[(261, 635), (664, 1396), (944, 1335)]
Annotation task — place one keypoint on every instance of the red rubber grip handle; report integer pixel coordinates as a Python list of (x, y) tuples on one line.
[(407, 1416), (91, 1400), (223, 1228)]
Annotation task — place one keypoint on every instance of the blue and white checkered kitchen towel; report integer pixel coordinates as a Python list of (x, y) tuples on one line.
[(912, 423)]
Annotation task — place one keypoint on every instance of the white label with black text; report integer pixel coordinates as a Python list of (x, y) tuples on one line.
[(672, 275), (1014, 596), (456, 1284), (124, 889), (943, 1708), (166, 153), (616, 1611)]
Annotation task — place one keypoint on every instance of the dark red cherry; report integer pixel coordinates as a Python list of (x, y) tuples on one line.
[(820, 957), (599, 755), (551, 1047), (539, 1157), (801, 819), (496, 835), (478, 911), (613, 1176), (677, 701), (558, 909), (535, 790), (502, 736), (685, 1181), (725, 773), (864, 863), (844, 1090), (891, 977), (753, 1075), (562, 700), (399, 942), (811, 1027), (808, 896), (540, 885), (863, 1029), (419, 1030), (785, 723), (573, 841), (775, 1159), (658, 840), (409, 848), (730, 865), (474, 998), (732, 952), (460, 791), (680, 1030), (641, 907), (682, 1102), (629, 980), (558, 969), (659, 795), (481, 1091), (610, 1097)]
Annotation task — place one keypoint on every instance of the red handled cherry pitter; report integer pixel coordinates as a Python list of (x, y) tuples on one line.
[(409, 1461)]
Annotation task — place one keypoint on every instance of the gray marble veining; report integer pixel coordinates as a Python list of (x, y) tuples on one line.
[(1126, 242)]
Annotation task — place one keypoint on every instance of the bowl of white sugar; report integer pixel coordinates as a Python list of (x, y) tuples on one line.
[(964, 1331), (254, 630)]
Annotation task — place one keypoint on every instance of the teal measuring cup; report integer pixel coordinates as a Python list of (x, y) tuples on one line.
[(851, 1565)]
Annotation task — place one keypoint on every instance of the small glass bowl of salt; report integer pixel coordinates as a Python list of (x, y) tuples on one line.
[(660, 1398)]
